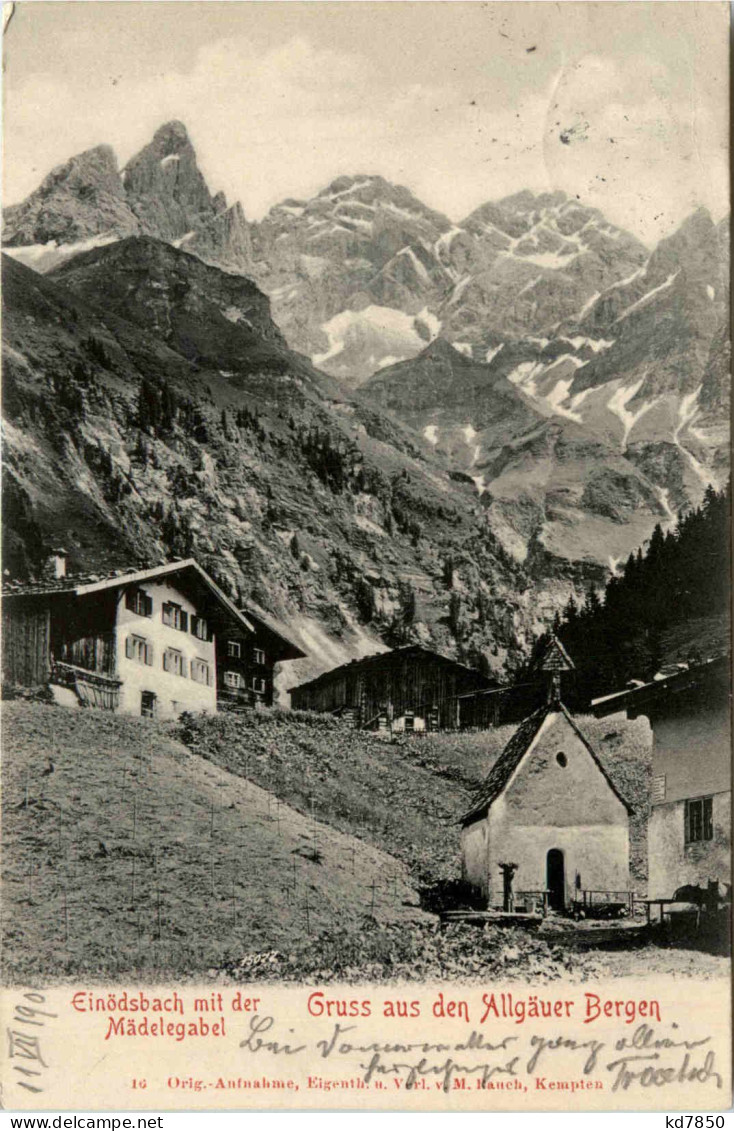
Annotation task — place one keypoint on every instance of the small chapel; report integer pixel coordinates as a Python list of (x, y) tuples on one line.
[(548, 819)]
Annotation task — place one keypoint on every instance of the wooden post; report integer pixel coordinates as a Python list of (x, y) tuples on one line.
[(234, 905), (66, 917), (372, 905), (211, 824), (135, 816), (132, 891)]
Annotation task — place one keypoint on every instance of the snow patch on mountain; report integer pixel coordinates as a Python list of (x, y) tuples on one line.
[(459, 289), (376, 331), (492, 353), (431, 433), (617, 404), (418, 267), (687, 412), (43, 257), (598, 345), (556, 397), (650, 294)]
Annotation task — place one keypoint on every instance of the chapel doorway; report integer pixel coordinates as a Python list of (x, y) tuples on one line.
[(555, 880)]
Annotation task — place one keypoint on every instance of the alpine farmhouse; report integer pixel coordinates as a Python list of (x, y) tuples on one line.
[(152, 642)]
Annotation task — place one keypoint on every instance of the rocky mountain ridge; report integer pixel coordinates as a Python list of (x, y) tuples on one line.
[(580, 381), (153, 411), (89, 201)]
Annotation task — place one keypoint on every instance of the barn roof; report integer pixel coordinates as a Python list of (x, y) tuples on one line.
[(87, 584), (509, 760), (665, 687), (379, 659)]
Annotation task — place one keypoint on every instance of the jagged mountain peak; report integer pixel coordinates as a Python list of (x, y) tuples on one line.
[(526, 200), (171, 137), (79, 199), (165, 186)]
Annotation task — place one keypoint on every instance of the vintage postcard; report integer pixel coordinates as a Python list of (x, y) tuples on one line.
[(366, 572)]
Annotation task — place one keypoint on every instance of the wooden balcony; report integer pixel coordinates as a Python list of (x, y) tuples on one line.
[(92, 688)]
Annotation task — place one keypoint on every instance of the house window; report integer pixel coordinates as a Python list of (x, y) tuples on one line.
[(699, 820), (409, 721), (174, 616), (138, 601), (258, 685), (138, 649), (174, 662), (147, 704), (258, 655), (233, 679), (234, 649), (201, 672), (200, 628)]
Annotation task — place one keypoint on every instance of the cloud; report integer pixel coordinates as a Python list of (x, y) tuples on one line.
[(282, 122)]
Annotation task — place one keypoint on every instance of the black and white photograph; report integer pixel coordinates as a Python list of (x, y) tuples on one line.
[(366, 548)]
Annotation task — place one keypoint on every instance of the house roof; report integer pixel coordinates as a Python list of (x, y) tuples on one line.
[(509, 760), (379, 659), (663, 687), (84, 585)]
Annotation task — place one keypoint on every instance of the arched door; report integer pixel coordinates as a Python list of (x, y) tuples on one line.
[(556, 879)]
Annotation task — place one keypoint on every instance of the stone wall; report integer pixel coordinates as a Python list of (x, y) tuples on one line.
[(673, 863)]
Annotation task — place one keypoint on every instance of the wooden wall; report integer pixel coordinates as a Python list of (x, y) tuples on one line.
[(26, 650), (396, 684)]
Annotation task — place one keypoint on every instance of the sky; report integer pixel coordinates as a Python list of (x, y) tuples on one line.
[(624, 104)]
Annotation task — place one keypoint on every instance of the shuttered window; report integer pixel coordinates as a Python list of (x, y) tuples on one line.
[(200, 628), (138, 601), (139, 649), (233, 679), (258, 655), (258, 685), (201, 672), (234, 649), (174, 616), (174, 662)]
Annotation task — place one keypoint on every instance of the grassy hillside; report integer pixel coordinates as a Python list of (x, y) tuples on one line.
[(406, 796), (134, 849), (135, 855)]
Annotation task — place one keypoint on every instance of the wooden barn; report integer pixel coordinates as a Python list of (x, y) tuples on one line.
[(150, 642), (408, 689), (689, 829), (548, 813)]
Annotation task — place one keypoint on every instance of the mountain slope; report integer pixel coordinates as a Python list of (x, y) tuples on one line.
[(169, 863), (153, 411), (630, 400), (580, 382)]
